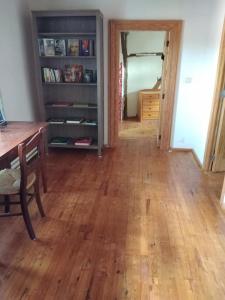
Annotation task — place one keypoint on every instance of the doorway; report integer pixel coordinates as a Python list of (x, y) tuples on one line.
[(214, 159), (141, 60), (167, 95)]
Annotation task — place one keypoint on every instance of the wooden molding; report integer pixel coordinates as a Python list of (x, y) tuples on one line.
[(174, 28), (196, 158), (222, 196), (181, 149), (192, 152), (220, 81)]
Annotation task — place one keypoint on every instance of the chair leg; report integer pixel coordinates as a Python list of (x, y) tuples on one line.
[(7, 203), (26, 216), (44, 179), (38, 198)]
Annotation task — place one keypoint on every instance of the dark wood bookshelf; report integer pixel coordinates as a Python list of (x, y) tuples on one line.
[(81, 25)]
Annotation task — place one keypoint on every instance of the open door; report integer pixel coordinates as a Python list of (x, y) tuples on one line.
[(214, 159), (163, 85), (115, 28), (218, 158)]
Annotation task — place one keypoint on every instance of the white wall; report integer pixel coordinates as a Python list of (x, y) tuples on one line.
[(16, 84), (201, 36), (142, 71), (201, 39)]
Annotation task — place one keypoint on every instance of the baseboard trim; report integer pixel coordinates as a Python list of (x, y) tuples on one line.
[(181, 149), (192, 151), (196, 158)]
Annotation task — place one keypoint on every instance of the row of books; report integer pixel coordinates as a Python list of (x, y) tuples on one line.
[(75, 120), (81, 141), (69, 47), (71, 73), (51, 75), (71, 104)]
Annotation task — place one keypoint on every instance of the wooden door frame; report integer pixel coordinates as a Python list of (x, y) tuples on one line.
[(174, 27), (214, 119)]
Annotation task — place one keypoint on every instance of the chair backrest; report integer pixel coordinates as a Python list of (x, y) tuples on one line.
[(30, 156)]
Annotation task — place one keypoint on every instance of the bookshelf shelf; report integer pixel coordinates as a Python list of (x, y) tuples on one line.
[(66, 34), (68, 57), (72, 124), (56, 34), (70, 107), (69, 83), (71, 146)]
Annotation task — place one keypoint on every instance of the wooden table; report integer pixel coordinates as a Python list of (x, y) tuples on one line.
[(14, 134)]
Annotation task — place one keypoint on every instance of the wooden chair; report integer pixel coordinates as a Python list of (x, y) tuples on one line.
[(14, 161), (20, 182)]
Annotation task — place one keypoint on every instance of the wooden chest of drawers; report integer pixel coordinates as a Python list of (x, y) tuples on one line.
[(148, 105)]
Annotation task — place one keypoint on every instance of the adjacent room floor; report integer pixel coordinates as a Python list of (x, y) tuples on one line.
[(131, 128), (137, 224)]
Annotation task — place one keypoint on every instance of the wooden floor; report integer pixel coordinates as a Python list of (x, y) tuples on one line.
[(132, 129), (137, 224)]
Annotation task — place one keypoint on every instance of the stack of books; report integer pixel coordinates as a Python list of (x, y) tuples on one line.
[(60, 141), (76, 47), (83, 141), (70, 47), (74, 120), (84, 105), (73, 73), (51, 75), (89, 122), (59, 104)]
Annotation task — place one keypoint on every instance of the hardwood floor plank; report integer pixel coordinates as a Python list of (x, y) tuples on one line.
[(139, 223)]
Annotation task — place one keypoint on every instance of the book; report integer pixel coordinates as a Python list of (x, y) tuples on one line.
[(84, 105), (77, 73), (90, 122), (68, 76), (60, 47), (92, 105), (73, 73), (88, 76), (74, 120), (92, 47), (73, 47), (59, 104), (81, 105), (49, 47), (94, 75), (56, 121), (46, 75), (59, 141), (84, 47), (41, 47), (58, 75), (83, 141), (51, 75)]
